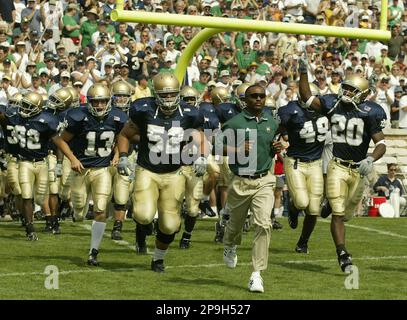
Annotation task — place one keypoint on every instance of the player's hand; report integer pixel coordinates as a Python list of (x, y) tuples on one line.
[(77, 166), (199, 166), (277, 146), (303, 65), (366, 166), (123, 166), (58, 170), (115, 160)]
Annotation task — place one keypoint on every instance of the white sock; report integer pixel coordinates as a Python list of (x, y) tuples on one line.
[(159, 254), (256, 274), (98, 228), (281, 211), (215, 209)]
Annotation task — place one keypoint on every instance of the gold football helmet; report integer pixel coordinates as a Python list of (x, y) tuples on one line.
[(220, 95), (75, 97), (99, 100), (44, 99), (166, 91), (15, 100), (121, 93), (354, 89), (190, 95), (31, 105), (240, 94), (60, 100)]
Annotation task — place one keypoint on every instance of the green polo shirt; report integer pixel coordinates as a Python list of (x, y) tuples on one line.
[(245, 127)]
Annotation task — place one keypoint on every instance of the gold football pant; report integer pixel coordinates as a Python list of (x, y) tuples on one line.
[(92, 181), (12, 176), (54, 181), (306, 184), (122, 186), (162, 191), (65, 185), (344, 189), (256, 195), (33, 178), (193, 191), (225, 175)]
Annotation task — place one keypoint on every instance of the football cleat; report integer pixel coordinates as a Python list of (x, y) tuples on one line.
[(90, 215), (32, 236), (184, 243), (276, 225), (219, 232), (326, 209), (230, 256), (157, 266), (303, 248), (116, 232), (293, 213), (246, 226), (55, 227), (48, 227), (345, 261), (256, 284), (205, 207), (141, 249), (92, 260)]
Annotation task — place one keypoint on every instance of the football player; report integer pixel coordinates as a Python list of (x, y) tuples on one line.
[(354, 123), (121, 94), (91, 134), (12, 147), (58, 104), (162, 123), (306, 133), (32, 129), (198, 188)]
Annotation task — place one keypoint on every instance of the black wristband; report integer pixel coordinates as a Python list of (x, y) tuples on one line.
[(123, 154)]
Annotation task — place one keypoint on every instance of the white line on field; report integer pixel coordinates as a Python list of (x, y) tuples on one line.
[(214, 265), (386, 233)]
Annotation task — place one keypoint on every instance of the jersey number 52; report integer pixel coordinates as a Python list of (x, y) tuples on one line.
[(26, 138)]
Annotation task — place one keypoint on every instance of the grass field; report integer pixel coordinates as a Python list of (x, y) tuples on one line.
[(378, 246)]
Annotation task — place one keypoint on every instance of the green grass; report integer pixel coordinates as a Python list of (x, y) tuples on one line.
[(199, 273)]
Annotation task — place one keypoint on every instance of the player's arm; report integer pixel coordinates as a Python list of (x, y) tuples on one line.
[(129, 133), (305, 91), (61, 141), (380, 146)]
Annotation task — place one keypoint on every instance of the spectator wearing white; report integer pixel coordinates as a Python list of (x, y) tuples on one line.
[(403, 112), (50, 66), (36, 85), (19, 6), (110, 53), (335, 82), (123, 46), (252, 76), (101, 34), (224, 80), (20, 56), (364, 64), (395, 76), (370, 67), (277, 88), (384, 96), (64, 82), (51, 14), (6, 90), (295, 7), (48, 41), (172, 53), (311, 11), (373, 48), (25, 78), (352, 19), (8, 71), (91, 75)]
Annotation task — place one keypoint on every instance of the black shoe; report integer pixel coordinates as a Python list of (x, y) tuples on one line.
[(90, 215), (302, 248), (23, 221), (116, 232), (32, 236), (157, 266), (345, 261), (65, 210), (48, 227), (219, 232), (92, 260), (184, 243), (141, 249), (326, 209), (276, 225), (293, 213), (205, 207), (154, 229), (56, 229)]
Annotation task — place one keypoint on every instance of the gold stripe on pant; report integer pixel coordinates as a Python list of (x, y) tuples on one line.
[(256, 195)]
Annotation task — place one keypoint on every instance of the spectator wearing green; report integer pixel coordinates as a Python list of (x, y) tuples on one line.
[(89, 27), (226, 59), (204, 78), (246, 56), (262, 66), (395, 13)]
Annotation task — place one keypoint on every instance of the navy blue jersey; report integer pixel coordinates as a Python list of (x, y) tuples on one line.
[(11, 142), (352, 129), (306, 131), (162, 137), (62, 124), (226, 111), (2, 141), (94, 139), (210, 118), (32, 134)]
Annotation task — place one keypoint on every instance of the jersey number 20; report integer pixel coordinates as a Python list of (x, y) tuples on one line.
[(350, 132)]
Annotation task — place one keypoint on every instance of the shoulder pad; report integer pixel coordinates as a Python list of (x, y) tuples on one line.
[(78, 114)]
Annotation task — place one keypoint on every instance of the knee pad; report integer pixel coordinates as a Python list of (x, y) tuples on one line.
[(165, 238)]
